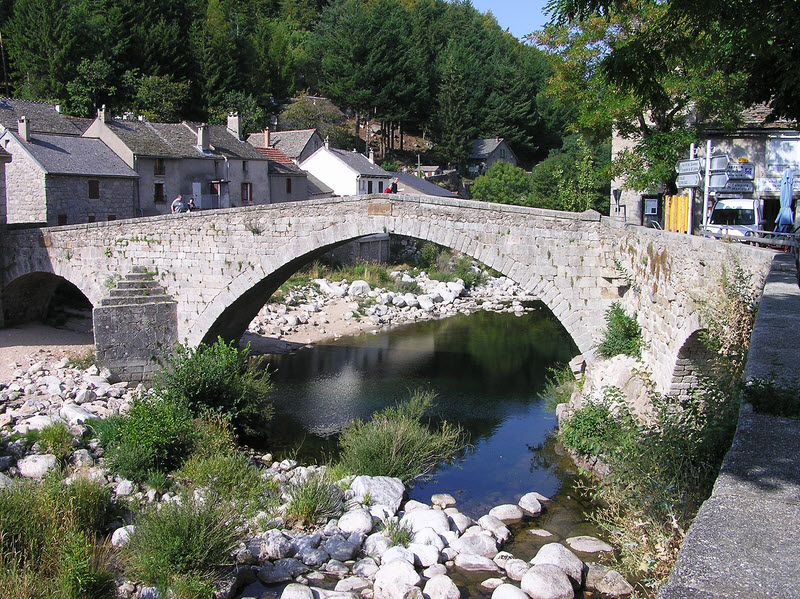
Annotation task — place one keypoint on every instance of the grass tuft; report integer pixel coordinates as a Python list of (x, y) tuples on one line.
[(396, 443), (314, 499)]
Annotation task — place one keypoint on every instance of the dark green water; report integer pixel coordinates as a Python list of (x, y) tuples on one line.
[(487, 369)]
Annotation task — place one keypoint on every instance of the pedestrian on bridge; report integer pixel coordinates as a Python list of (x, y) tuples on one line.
[(179, 205)]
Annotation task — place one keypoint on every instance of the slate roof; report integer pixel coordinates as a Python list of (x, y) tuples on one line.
[(288, 170), (73, 155), (758, 117), (360, 163), (315, 186), (410, 183), (42, 117), (482, 148), (291, 143), (179, 140)]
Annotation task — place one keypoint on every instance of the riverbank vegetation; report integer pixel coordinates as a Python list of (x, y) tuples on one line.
[(664, 467), (55, 533), (395, 441)]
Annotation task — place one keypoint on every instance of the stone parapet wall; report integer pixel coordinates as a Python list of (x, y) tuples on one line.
[(672, 279)]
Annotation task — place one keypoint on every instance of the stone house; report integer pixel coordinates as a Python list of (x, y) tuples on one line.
[(287, 181), (208, 162), (297, 145), (769, 146), (346, 173), (485, 152), (65, 179)]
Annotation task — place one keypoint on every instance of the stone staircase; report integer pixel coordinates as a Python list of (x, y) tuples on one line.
[(137, 287)]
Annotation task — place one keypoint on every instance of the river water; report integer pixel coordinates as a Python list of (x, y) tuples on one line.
[(487, 370)]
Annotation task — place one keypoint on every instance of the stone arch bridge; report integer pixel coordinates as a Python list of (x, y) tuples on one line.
[(210, 272)]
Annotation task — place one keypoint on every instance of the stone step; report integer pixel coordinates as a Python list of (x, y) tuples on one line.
[(136, 300), (137, 292), (141, 284), (139, 276)]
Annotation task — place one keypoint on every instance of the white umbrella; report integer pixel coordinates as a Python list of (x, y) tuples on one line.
[(785, 220)]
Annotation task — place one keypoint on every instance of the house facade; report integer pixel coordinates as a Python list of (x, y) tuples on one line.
[(485, 152), (769, 147), (210, 163), (298, 145), (287, 181), (347, 173), (65, 179)]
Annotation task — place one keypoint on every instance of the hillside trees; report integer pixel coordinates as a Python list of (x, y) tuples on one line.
[(657, 84)]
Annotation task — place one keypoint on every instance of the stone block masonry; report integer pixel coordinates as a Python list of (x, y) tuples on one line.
[(221, 266)]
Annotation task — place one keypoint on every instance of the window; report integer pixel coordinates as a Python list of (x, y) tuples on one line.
[(158, 193), (369, 186), (62, 220), (92, 218), (502, 153), (159, 170), (244, 166), (247, 193), (111, 217), (94, 189), (213, 188), (288, 185)]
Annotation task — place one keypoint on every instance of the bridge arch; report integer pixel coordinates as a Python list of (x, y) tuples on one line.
[(694, 361), (230, 312)]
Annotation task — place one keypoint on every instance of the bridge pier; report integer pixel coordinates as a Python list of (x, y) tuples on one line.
[(135, 328)]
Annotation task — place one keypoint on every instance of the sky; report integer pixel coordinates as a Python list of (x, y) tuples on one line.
[(520, 17)]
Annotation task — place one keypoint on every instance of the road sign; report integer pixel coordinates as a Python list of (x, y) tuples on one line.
[(720, 162), (720, 182), (741, 170), (689, 180), (685, 167)]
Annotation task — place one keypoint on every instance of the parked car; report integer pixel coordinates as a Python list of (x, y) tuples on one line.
[(736, 217)]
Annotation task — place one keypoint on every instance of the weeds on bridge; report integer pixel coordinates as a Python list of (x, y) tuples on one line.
[(663, 468)]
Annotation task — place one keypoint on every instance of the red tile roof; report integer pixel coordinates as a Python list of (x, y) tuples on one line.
[(275, 155)]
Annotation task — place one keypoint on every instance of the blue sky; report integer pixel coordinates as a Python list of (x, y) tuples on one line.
[(520, 17)]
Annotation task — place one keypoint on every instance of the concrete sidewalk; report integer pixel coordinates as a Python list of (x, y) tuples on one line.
[(745, 540)]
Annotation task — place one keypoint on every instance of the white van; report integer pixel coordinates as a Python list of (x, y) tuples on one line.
[(737, 217)]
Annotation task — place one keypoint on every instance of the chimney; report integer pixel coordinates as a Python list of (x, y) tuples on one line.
[(202, 138), (101, 114), (266, 137), (58, 108), (326, 142), (23, 128), (234, 125), (372, 156)]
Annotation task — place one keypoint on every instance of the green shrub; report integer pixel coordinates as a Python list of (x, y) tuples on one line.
[(231, 478), (623, 335), (48, 533), (56, 439), (559, 386), (219, 378), (400, 534), (407, 287), (107, 430), (155, 435), (83, 569), (314, 499), (214, 435), (429, 255), (594, 430), (396, 443), (181, 542), (774, 399)]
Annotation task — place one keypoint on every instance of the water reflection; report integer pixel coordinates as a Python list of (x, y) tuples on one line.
[(487, 369)]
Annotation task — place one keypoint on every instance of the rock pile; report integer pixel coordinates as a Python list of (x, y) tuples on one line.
[(383, 308), (357, 552)]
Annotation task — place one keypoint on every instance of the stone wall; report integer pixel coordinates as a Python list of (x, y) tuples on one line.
[(25, 189), (672, 278), (68, 196), (221, 266)]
